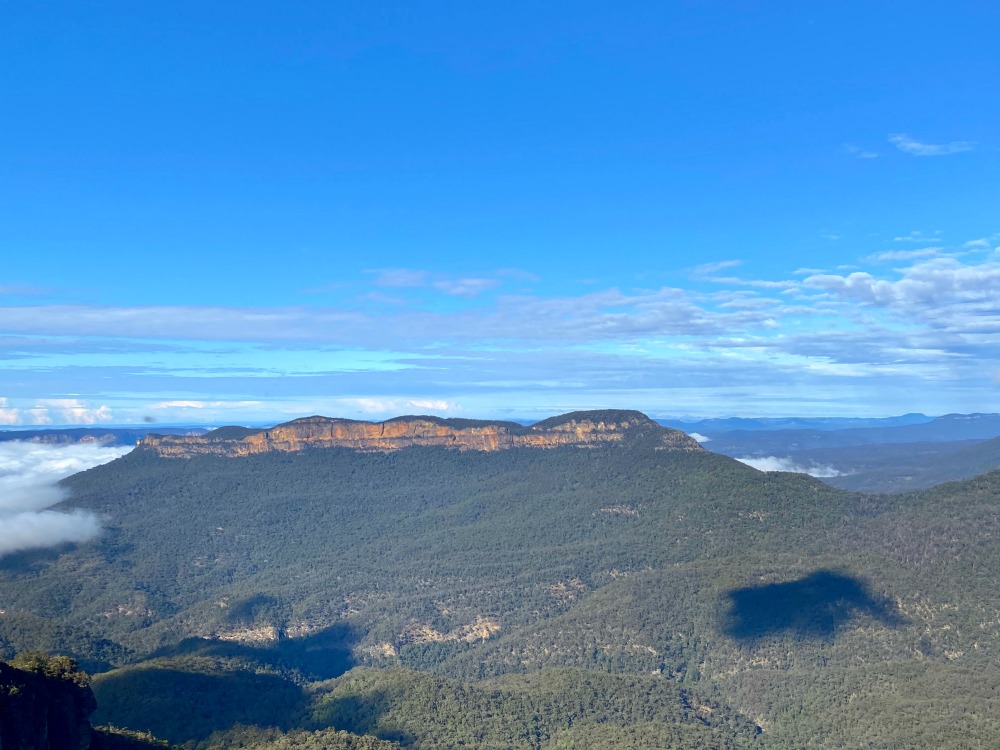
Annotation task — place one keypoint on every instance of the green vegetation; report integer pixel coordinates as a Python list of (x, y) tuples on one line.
[(116, 738), (617, 596), (44, 703)]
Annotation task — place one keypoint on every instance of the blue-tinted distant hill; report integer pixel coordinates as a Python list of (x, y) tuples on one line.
[(729, 424), (909, 466), (902, 454), (777, 442), (109, 436)]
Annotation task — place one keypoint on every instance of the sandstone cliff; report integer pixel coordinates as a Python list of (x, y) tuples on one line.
[(581, 429)]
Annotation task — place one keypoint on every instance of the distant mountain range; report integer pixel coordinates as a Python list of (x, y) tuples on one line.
[(117, 436), (730, 435), (891, 455), (728, 424)]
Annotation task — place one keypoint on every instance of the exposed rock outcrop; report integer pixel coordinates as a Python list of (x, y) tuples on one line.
[(581, 429), (480, 630)]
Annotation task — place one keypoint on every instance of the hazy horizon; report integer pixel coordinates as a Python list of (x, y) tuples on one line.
[(511, 418)]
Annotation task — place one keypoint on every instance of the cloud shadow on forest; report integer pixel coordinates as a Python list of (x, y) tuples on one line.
[(187, 691), (322, 655), (816, 606), (181, 705)]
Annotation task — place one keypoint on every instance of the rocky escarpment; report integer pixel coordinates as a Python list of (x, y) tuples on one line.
[(582, 429)]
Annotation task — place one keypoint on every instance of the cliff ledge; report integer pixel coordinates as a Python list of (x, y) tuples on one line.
[(582, 429)]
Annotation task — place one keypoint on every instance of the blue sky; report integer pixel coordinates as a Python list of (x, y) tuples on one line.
[(248, 212)]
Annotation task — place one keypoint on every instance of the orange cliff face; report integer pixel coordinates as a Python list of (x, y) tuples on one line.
[(582, 429)]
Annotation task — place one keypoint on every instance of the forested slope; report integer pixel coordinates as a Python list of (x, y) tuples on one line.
[(503, 582)]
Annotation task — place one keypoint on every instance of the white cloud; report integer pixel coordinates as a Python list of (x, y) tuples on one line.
[(910, 146), (31, 530), (7, 414), (392, 407), (773, 463), (21, 290), (461, 286), (180, 405), (981, 244), (73, 411), (205, 411), (53, 411), (29, 472), (400, 277), (435, 404), (36, 416), (891, 255), (757, 283), (709, 269), (465, 287), (918, 237), (859, 152), (698, 437), (934, 287)]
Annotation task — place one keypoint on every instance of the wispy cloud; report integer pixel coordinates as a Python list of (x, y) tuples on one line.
[(919, 237), (710, 269), (910, 146), (22, 290), (203, 405), (28, 475), (465, 286), (400, 277), (928, 318), (983, 243), (404, 405), (456, 286), (891, 255), (860, 153), (758, 283)]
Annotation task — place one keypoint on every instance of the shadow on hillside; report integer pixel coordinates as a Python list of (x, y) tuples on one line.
[(188, 691), (179, 704), (322, 655), (33, 560), (362, 714), (815, 606)]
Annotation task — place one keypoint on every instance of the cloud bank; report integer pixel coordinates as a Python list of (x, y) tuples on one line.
[(773, 463), (28, 475)]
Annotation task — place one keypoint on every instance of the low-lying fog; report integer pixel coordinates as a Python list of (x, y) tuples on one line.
[(774, 463), (29, 473)]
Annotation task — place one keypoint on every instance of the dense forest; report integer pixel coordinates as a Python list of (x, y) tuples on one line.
[(618, 596)]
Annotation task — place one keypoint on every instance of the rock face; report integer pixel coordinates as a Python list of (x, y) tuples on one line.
[(581, 429), (44, 710)]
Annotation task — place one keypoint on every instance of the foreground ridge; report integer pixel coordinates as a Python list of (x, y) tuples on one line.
[(581, 429)]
